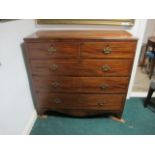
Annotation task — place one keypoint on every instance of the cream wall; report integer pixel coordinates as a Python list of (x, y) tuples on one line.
[(150, 29), (139, 31), (17, 113), (16, 106)]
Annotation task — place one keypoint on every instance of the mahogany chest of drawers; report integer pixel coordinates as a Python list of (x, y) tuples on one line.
[(80, 73)]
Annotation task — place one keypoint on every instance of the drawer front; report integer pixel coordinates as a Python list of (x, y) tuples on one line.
[(53, 50), (103, 67), (108, 49), (106, 67), (82, 84), (79, 101)]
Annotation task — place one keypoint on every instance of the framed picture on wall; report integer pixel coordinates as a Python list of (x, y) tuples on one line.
[(110, 22)]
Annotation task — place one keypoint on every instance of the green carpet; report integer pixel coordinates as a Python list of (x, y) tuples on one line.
[(139, 121)]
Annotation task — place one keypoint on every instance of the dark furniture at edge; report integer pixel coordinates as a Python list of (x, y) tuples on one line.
[(150, 44)]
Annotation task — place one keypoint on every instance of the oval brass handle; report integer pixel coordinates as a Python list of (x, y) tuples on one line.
[(107, 50), (106, 68), (51, 50), (57, 100), (104, 86), (55, 84), (54, 67)]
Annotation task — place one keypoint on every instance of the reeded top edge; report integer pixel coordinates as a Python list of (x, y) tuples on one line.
[(81, 34)]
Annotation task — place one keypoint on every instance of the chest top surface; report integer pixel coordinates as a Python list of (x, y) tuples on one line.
[(81, 35)]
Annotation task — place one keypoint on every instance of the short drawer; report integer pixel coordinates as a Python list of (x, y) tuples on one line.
[(108, 49), (47, 50), (80, 101), (105, 67), (81, 84)]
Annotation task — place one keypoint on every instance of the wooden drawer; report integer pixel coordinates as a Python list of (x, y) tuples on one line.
[(108, 49), (80, 101), (81, 84), (48, 50), (105, 67)]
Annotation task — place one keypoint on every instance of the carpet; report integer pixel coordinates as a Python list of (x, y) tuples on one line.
[(139, 121)]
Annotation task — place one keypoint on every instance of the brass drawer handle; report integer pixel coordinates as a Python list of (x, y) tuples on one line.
[(57, 100), (55, 84), (106, 68), (101, 104), (104, 86), (54, 67), (51, 50), (107, 50)]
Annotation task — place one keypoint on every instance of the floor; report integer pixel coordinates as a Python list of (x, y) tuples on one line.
[(138, 121), (142, 81)]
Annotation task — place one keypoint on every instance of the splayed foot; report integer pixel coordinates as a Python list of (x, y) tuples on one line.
[(120, 120), (42, 116)]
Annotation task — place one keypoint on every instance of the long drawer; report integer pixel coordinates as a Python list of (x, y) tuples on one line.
[(108, 49), (81, 84), (50, 50), (78, 101), (105, 67)]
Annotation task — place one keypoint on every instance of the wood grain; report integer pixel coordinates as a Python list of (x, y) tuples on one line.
[(81, 35), (78, 101), (82, 67), (118, 49), (61, 50), (82, 84)]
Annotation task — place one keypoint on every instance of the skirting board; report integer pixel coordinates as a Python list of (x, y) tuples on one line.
[(140, 94), (30, 123)]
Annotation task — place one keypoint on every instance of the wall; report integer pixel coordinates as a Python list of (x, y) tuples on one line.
[(138, 30), (150, 29), (16, 107)]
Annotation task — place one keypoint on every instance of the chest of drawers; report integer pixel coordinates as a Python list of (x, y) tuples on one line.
[(80, 73)]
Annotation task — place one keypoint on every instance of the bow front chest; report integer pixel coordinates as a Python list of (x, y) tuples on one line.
[(80, 73)]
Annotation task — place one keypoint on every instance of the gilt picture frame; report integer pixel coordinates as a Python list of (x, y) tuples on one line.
[(108, 22)]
